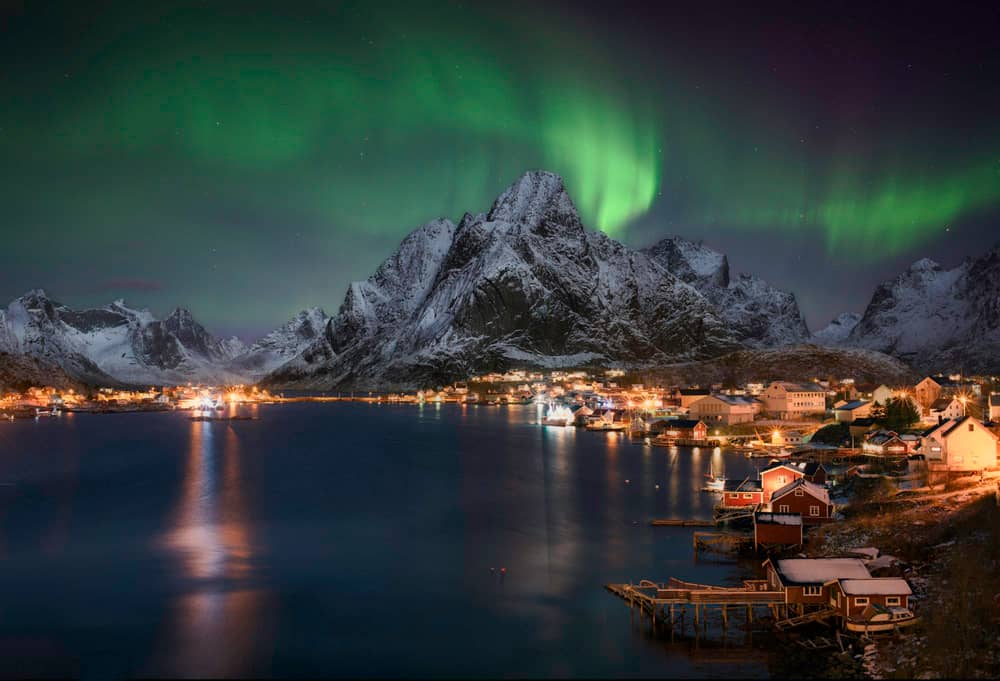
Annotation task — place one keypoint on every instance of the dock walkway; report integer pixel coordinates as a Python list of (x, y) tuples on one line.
[(663, 601)]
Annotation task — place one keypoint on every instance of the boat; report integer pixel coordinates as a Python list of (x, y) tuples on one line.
[(881, 619), (605, 421), (713, 482), (558, 416)]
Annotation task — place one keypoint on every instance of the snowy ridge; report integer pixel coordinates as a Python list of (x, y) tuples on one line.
[(758, 314), (937, 319), (837, 331), (527, 284), (116, 344)]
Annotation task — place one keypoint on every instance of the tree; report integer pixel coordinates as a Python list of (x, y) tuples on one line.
[(900, 414), (877, 412)]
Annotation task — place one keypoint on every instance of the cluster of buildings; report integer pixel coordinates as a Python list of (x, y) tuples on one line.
[(28, 403)]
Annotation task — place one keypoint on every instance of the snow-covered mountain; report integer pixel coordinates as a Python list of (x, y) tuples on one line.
[(115, 344), (937, 319), (759, 315), (837, 331), (526, 284), (119, 345), (281, 345)]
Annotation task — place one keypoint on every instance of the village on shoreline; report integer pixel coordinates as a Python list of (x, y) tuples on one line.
[(868, 496)]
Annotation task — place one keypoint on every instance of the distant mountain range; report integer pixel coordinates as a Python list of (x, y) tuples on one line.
[(524, 284), (931, 318)]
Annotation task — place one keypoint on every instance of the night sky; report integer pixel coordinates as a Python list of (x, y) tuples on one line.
[(247, 160)]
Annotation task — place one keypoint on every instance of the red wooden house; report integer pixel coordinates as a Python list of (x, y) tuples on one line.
[(776, 476), (776, 529), (873, 604), (805, 581), (737, 493), (807, 498)]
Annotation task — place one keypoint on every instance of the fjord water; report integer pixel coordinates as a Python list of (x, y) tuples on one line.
[(343, 539)]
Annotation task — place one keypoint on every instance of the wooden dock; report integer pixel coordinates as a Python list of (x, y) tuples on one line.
[(814, 616), (677, 522), (667, 604), (721, 542)]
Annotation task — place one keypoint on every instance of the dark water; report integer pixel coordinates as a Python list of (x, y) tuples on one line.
[(343, 539)]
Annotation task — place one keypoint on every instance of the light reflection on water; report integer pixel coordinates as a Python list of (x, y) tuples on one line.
[(343, 539), (218, 625)]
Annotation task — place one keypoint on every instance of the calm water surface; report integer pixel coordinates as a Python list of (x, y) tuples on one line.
[(343, 540)]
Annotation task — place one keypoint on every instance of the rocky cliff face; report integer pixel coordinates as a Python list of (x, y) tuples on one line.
[(526, 284), (114, 344), (937, 319), (759, 315), (837, 331)]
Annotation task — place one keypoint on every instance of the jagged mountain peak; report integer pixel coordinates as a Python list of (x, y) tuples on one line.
[(537, 199), (691, 261), (525, 283)]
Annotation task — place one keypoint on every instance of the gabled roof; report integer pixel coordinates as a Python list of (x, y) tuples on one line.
[(874, 586), (742, 486), (807, 571), (812, 489), (684, 423), (955, 423), (800, 387), (851, 406), (793, 467), (942, 403), (735, 400)]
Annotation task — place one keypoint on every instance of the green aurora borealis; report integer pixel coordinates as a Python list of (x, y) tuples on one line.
[(142, 148)]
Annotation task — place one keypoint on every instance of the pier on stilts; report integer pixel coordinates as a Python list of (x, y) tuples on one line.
[(667, 604)]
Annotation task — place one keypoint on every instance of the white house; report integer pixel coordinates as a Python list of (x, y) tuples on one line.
[(794, 400), (960, 445), (946, 408), (724, 409), (994, 408), (848, 411)]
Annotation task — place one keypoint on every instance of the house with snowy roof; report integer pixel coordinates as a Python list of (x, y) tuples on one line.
[(805, 581), (807, 498)]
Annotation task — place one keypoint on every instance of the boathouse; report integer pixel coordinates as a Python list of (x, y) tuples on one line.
[(804, 580), (852, 597), (776, 529), (739, 493)]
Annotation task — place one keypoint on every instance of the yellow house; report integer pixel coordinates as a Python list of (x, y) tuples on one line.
[(960, 445), (793, 400)]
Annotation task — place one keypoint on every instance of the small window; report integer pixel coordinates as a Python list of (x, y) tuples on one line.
[(861, 600), (747, 495), (892, 600), (971, 427), (783, 508), (812, 591), (799, 493), (814, 510)]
